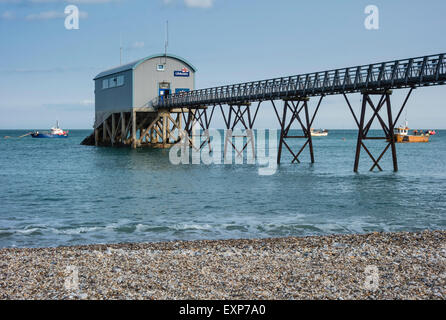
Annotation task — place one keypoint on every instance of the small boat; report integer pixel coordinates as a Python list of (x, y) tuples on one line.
[(402, 135), (55, 132), (319, 133)]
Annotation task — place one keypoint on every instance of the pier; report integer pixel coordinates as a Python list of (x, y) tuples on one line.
[(155, 124)]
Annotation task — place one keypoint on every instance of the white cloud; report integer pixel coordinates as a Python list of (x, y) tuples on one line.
[(87, 102), (90, 1), (59, 1), (7, 15), (137, 45), (48, 15), (193, 3), (12, 71), (199, 3)]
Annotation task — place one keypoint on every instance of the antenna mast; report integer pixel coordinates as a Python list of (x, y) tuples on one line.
[(166, 43), (120, 49)]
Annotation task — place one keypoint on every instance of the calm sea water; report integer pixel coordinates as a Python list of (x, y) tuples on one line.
[(56, 192)]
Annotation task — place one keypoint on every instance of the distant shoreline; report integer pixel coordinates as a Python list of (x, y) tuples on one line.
[(401, 265)]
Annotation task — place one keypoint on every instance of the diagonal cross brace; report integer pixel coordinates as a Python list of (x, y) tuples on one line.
[(296, 106)]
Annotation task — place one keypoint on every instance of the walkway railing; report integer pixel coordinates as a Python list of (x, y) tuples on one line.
[(414, 72)]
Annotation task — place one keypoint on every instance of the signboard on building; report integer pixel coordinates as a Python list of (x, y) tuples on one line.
[(181, 90), (181, 73)]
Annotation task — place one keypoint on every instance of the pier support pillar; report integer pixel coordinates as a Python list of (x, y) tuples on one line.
[(96, 137), (158, 130), (165, 124), (123, 128), (387, 124), (113, 131), (296, 105), (134, 142), (240, 114), (203, 118), (104, 131)]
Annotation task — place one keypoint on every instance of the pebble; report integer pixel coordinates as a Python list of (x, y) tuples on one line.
[(367, 266)]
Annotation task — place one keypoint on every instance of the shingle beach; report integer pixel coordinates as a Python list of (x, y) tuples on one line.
[(370, 266)]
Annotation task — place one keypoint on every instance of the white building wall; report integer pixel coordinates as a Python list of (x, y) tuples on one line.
[(146, 79)]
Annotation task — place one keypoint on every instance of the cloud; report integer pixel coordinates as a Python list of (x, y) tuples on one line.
[(59, 1), (7, 15), (199, 3), (87, 102), (193, 3), (48, 70), (136, 45), (49, 15), (70, 105)]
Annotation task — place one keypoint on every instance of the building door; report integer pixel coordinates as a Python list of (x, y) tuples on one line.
[(164, 92), (164, 89)]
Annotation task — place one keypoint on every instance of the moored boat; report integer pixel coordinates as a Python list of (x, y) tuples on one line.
[(402, 135), (319, 133), (55, 132)]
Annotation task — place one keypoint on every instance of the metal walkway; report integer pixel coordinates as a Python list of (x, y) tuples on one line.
[(414, 72), (160, 128)]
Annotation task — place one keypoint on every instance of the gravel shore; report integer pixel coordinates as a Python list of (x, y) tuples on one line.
[(370, 266)]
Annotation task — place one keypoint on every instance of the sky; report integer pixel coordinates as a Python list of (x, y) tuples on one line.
[(47, 71)]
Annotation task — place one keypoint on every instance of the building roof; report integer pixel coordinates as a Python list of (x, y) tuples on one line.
[(134, 64)]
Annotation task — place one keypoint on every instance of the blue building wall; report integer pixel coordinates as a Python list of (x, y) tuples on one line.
[(115, 99)]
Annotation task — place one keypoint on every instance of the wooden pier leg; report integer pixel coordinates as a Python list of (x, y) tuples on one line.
[(134, 129), (164, 130), (96, 137), (360, 132), (179, 120), (123, 128), (104, 131), (151, 136), (168, 131), (113, 133)]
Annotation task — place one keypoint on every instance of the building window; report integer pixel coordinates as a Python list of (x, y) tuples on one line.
[(112, 82), (160, 67), (120, 81)]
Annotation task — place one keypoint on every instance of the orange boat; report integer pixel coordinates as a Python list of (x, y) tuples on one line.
[(402, 135)]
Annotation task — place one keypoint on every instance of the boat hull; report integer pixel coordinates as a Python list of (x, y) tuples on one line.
[(48, 135), (319, 134), (399, 138)]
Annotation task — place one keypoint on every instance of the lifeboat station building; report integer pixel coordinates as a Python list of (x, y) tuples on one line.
[(124, 97)]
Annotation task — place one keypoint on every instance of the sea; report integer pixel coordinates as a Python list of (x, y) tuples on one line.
[(56, 192)]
